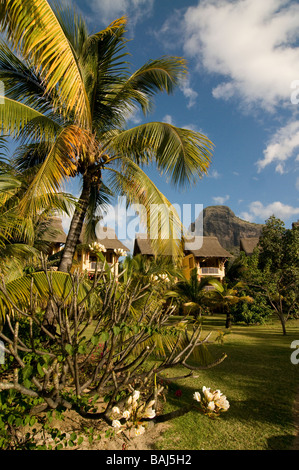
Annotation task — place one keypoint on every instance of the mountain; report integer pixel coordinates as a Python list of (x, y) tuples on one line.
[(221, 222)]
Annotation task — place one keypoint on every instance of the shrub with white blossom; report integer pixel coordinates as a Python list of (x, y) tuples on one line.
[(97, 247), (134, 416), (212, 402)]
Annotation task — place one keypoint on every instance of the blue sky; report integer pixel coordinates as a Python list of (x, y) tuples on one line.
[(241, 91)]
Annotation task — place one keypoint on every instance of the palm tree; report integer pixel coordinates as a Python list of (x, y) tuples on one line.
[(193, 293), (225, 296), (68, 96)]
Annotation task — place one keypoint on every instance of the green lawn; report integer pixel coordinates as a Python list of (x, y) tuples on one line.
[(260, 383)]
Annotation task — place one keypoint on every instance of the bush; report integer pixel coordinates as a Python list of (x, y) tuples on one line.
[(100, 346), (257, 312)]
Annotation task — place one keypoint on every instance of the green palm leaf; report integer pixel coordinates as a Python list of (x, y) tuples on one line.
[(159, 216), (180, 154), (36, 32), (19, 291)]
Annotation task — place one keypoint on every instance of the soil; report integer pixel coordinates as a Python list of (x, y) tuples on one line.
[(72, 422)]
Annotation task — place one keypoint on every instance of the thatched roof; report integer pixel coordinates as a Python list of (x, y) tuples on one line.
[(54, 232), (248, 245), (106, 236), (205, 247), (142, 245), (202, 247)]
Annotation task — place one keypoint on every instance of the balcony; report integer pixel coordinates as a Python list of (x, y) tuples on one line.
[(211, 271), (91, 266), (206, 271)]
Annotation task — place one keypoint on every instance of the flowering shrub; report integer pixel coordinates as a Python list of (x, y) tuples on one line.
[(134, 414), (97, 247), (212, 402), (120, 252)]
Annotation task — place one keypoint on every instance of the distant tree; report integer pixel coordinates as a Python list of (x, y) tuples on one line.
[(226, 296), (271, 243), (274, 268), (193, 294)]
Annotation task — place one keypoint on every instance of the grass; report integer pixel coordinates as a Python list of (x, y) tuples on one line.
[(260, 383)]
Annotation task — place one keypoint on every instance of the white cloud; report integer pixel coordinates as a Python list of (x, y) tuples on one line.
[(188, 92), (282, 146), (220, 199), (110, 10), (168, 119), (249, 42), (214, 174), (257, 210)]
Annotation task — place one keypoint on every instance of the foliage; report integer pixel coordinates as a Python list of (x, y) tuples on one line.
[(193, 294), (226, 296), (101, 353), (69, 100), (257, 312), (273, 269)]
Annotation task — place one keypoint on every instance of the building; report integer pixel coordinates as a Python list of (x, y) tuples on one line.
[(142, 245), (206, 255), (248, 245), (203, 253), (107, 242), (85, 257), (53, 236)]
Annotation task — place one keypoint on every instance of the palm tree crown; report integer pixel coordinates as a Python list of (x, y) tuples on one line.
[(68, 95)]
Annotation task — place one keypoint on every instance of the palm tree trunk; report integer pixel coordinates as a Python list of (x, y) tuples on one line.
[(75, 229), (228, 321), (70, 247)]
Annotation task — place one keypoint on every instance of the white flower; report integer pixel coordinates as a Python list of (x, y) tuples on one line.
[(223, 403), (149, 413), (207, 393), (115, 409), (217, 394), (126, 414), (140, 430), (197, 396), (120, 252), (211, 406), (136, 395), (97, 247), (116, 423)]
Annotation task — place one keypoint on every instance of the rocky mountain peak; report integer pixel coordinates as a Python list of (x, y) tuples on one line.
[(221, 222)]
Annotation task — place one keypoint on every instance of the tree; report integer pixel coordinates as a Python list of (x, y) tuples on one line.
[(192, 293), (89, 362), (226, 296), (69, 97), (274, 268), (21, 237)]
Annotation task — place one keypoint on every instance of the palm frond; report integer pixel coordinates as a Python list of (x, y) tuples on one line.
[(158, 215), (22, 82), (14, 115), (35, 31), (19, 290), (180, 154), (58, 166), (155, 76)]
